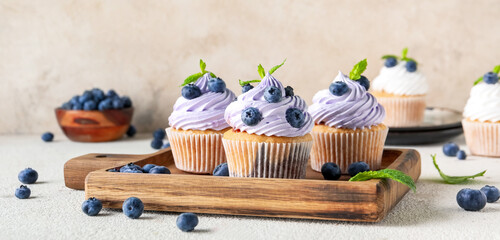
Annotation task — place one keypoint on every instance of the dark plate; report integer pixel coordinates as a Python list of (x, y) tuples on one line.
[(440, 125)]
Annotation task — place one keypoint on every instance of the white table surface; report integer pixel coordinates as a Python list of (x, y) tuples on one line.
[(54, 211)]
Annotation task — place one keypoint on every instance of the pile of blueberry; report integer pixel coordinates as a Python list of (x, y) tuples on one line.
[(158, 137), (331, 171), (148, 168), (475, 200), (26, 176), (192, 91), (452, 149), (96, 99)]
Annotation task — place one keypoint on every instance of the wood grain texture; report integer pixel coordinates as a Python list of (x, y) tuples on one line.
[(310, 198)]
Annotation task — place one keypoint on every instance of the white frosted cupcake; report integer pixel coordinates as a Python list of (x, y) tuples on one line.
[(481, 121), (401, 88)]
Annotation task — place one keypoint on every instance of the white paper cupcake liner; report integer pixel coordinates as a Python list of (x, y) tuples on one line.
[(196, 153), (267, 160), (403, 111), (482, 138), (344, 149)]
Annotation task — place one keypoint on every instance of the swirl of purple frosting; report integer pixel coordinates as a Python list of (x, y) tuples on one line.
[(273, 121), (204, 112), (356, 109)]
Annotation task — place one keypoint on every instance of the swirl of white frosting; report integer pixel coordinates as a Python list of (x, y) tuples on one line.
[(484, 103), (397, 80)]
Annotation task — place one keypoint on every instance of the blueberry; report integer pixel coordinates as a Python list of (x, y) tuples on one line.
[(130, 170), (159, 134), (251, 116), (166, 145), (221, 170), (450, 149), (391, 62), (330, 171), (131, 166), (23, 192), (191, 91), (246, 88), (118, 103), (89, 105), (127, 102), (131, 131), (363, 81), (74, 100), (216, 85), (490, 78), (289, 91), (187, 222), (272, 94), (91, 206), (491, 192), (357, 167), (111, 94), (28, 176), (86, 96), (471, 199), (112, 170), (159, 170), (411, 66), (47, 137), (148, 167), (339, 88), (77, 106), (98, 95), (295, 117), (133, 207), (156, 143), (105, 104), (67, 106), (461, 155)]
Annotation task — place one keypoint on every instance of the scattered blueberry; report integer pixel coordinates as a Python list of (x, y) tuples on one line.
[(112, 170), (411, 66), (111, 94), (221, 170), (118, 103), (159, 170), (246, 88), (289, 91), (450, 149), (251, 116), (89, 105), (295, 117), (67, 106), (461, 155), (357, 167), (330, 171), (98, 94), (187, 222), (47, 137), (191, 91), (133, 207), (272, 94), (363, 81), (131, 131), (471, 199), (490, 78), (105, 104), (166, 145), (339, 88), (129, 170), (156, 143), (216, 85), (91, 206), (23, 192), (127, 102), (28, 176), (159, 134), (391, 62), (148, 167), (77, 106), (86, 96), (491, 192), (130, 166)]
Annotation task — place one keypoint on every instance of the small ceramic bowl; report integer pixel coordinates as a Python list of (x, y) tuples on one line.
[(94, 126)]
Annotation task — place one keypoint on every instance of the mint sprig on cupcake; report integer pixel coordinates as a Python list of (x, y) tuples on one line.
[(489, 77), (246, 85), (192, 78), (392, 61), (358, 69)]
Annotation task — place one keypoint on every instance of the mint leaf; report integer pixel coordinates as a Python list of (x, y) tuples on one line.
[(389, 56), (404, 53), (262, 72), (386, 173), (243, 83), (358, 69), (496, 69), (203, 65), (478, 81), (276, 67), (454, 179), (192, 78)]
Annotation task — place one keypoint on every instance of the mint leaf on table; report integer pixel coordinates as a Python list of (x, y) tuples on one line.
[(386, 173), (454, 179), (243, 83), (262, 72), (358, 69), (276, 67)]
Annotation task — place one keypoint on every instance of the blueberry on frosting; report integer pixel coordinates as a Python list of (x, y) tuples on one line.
[(289, 91), (295, 117), (251, 116), (272, 94), (245, 88), (490, 78), (411, 66), (391, 62), (216, 85), (191, 91), (363, 81), (339, 88)]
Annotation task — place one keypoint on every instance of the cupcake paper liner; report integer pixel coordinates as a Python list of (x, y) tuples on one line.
[(345, 148), (403, 111), (267, 160), (196, 153), (482, 138)]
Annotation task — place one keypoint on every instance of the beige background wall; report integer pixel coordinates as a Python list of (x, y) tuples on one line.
[(51, 50)]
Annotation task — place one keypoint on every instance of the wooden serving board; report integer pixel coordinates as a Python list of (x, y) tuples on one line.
[(311, 198)]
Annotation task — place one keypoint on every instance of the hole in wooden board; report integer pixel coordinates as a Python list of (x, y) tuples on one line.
[(101, 156)]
